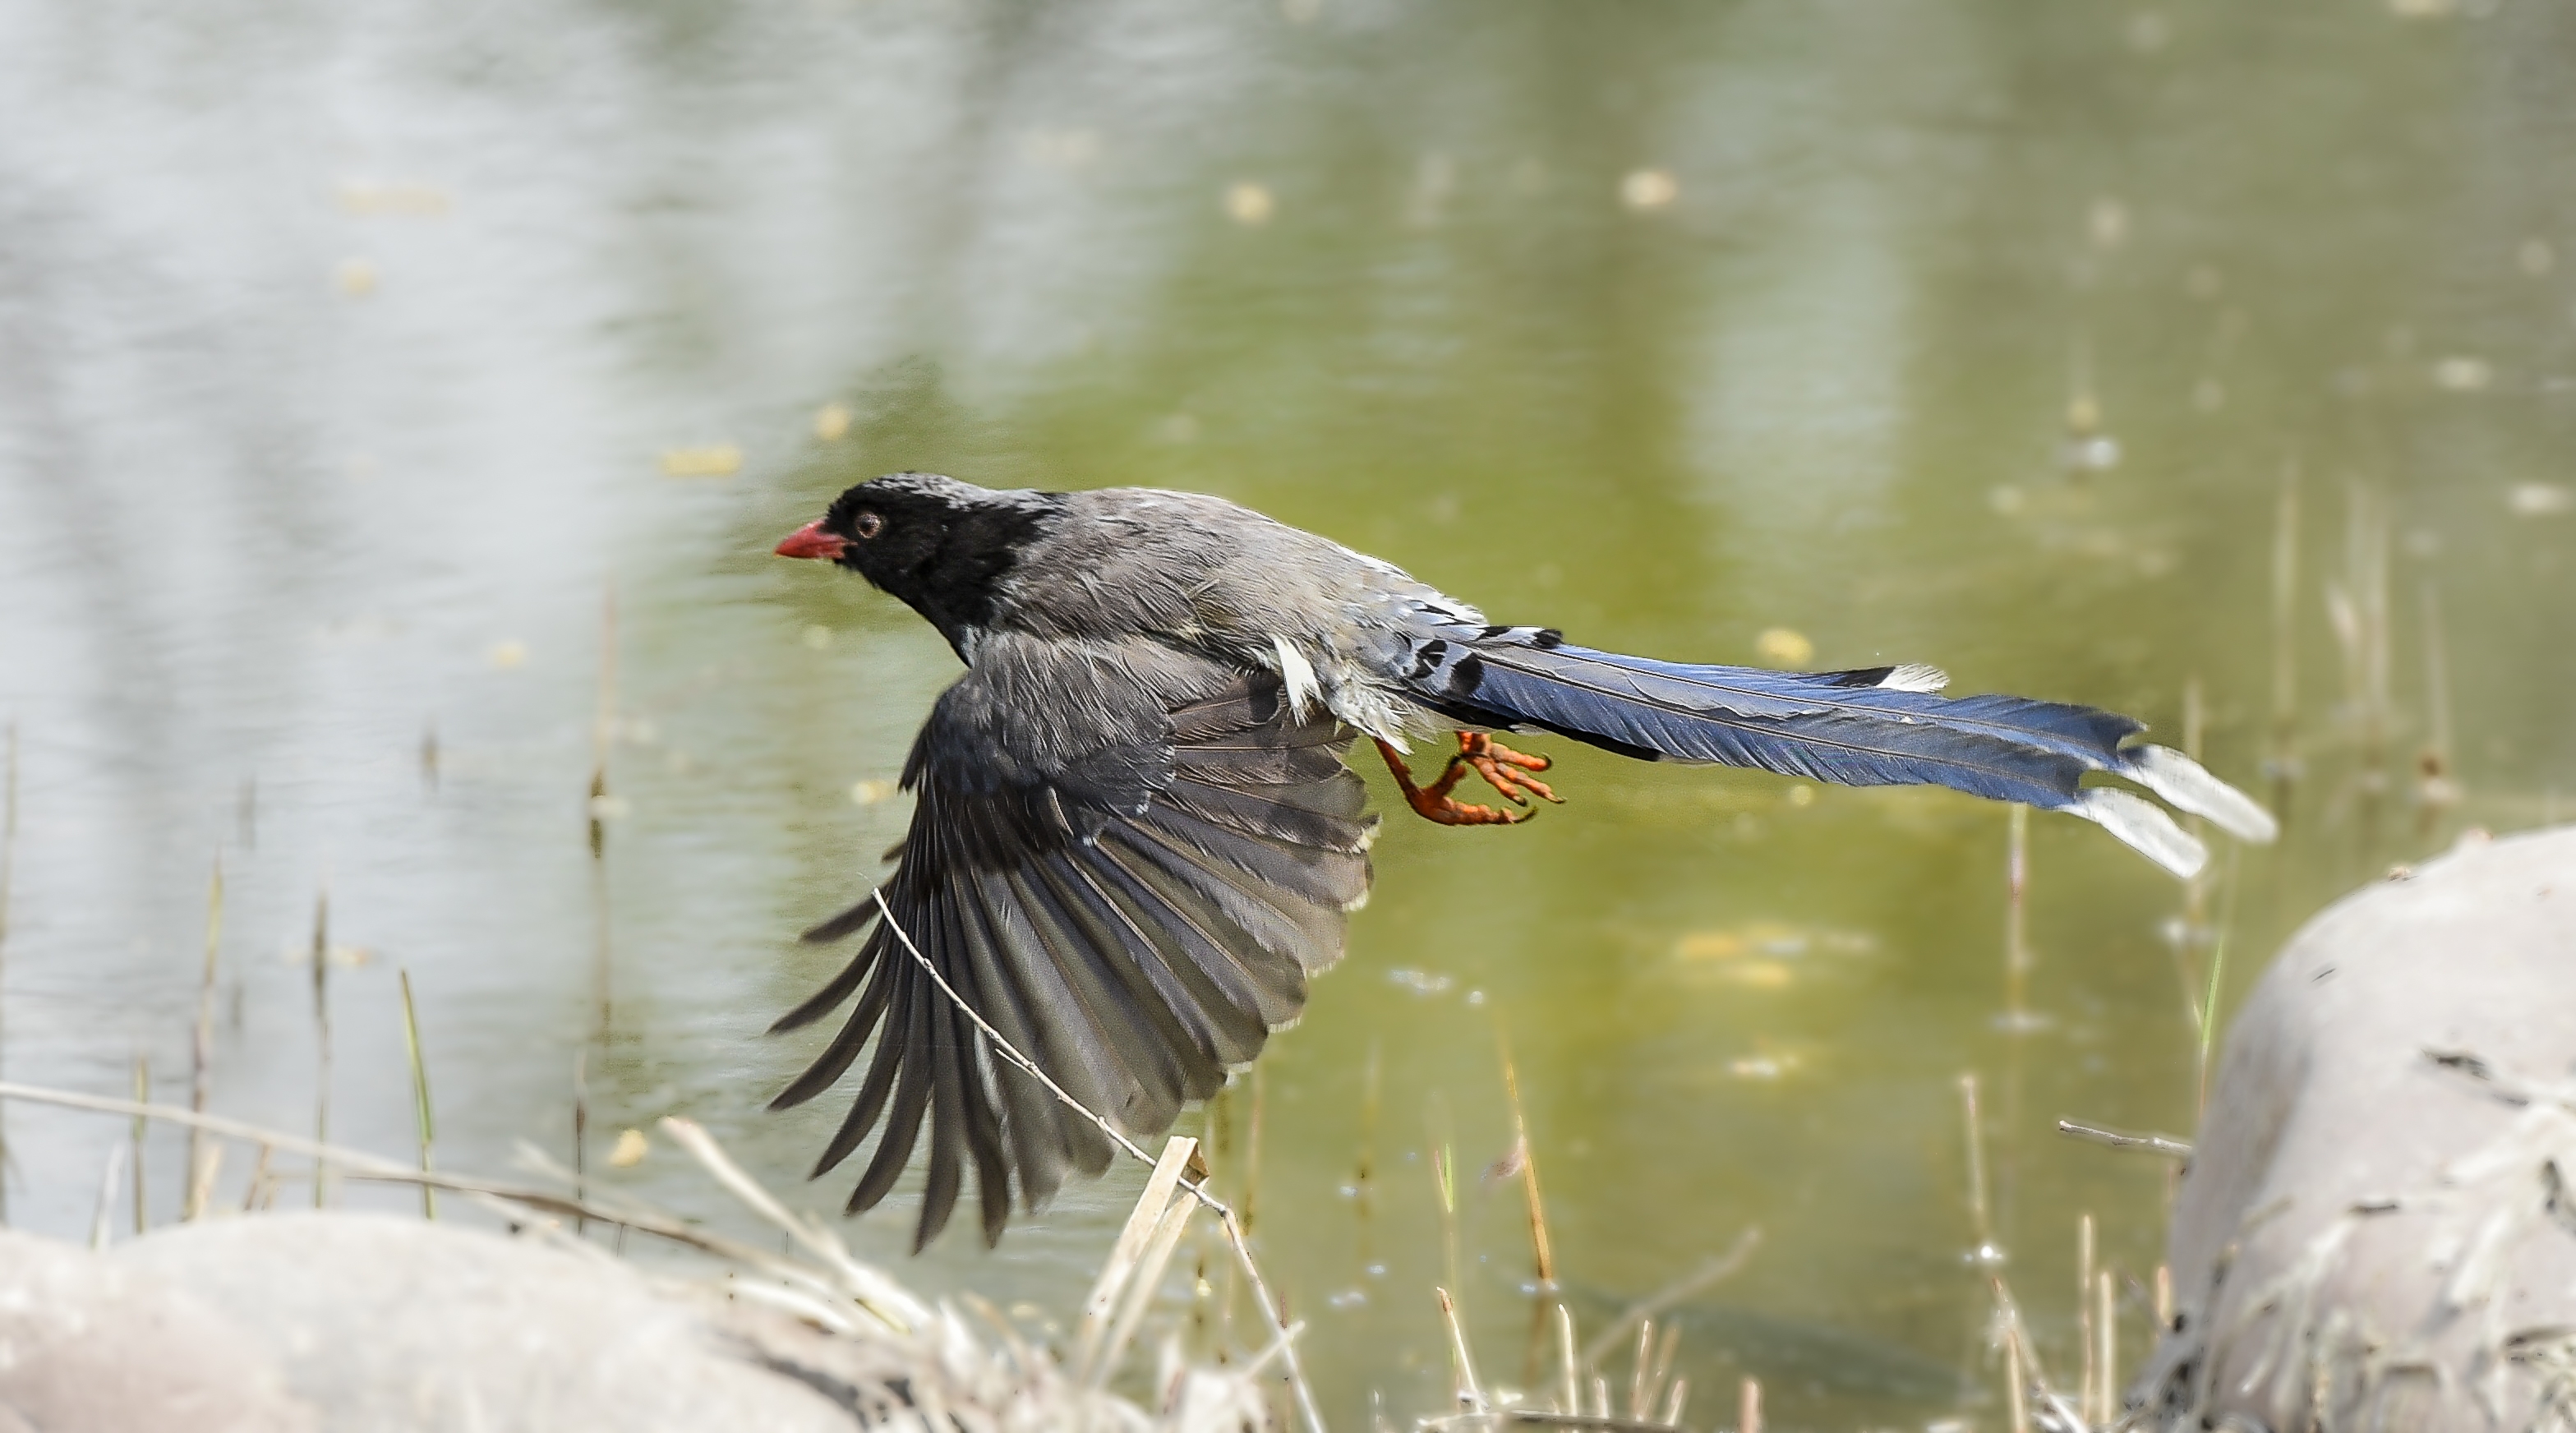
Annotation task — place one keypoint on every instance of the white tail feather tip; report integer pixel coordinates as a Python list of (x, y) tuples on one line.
[(2179, 779), (1915, 677), (2142, 826)]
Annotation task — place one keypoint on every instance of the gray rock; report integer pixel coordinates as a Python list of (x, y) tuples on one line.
[(298, 1322), (2376, 1231)]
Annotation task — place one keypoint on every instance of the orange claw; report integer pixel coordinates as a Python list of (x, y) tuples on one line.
[(1499, 765)]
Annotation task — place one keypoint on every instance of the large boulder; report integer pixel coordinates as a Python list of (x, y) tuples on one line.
[(298, 1323), (2378, 1226)]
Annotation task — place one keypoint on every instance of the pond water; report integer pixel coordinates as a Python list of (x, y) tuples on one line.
[(356, 361)]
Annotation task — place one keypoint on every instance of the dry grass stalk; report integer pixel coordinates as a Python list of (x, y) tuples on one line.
[(142, 1096), (321, 1045), (2088, 1380), (580, 1133), (875, 1292), (1748, 1406), (202, 1177), (1462, 1363), (8, 868), (2437, 789), (258, 1186), (1135, 1239), (2106, 1329), (1542, 1251), (2284, 757), (1572, 1401), (1141, 1288), (422, 1121), (100, 1219), (201, 1049), (1979, 1212), (2017, 957)]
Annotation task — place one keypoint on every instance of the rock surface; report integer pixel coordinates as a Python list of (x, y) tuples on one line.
[(297, 1323), (2378, 1228)]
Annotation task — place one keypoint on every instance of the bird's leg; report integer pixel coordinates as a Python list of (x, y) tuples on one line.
[(1498, 764)]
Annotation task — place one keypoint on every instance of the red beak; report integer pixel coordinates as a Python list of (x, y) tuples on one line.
[(811, 541)]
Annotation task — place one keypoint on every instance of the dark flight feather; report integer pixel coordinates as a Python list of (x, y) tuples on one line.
[(1131, 885)]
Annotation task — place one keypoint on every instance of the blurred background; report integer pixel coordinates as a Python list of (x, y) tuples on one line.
[(398, 402)]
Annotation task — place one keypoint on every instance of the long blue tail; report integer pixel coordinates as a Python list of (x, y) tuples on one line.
[(1877, 727)]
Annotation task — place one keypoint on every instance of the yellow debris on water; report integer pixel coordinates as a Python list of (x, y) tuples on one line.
[(2535, 257), (870, 792), (630, 1149), (508, 653), (817, 637), (711, 460), (1649, 189), (832, 422), (2540, 499), (1784, 647), (1249, 204), (2461, 373), (355, 277)]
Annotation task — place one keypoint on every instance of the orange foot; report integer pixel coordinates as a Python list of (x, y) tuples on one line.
[(1502, 768)]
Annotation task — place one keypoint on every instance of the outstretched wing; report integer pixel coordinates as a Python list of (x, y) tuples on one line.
[(1129, 859)]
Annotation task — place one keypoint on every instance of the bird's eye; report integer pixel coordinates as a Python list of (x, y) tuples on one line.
[(868, 525)]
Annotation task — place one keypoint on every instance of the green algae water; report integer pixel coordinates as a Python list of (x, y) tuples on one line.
[(397, 408)]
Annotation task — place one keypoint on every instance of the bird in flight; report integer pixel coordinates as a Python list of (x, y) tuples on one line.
[(1135, 838)]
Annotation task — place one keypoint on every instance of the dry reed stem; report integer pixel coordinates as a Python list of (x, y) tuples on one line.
[(142, 1096), (1134, 1238), (2106, 1328), (202, 1177), (426, 1127), (1748, 1406), (1271, 1308), (1542, 1251), (8, 870), (1675, 1402), (2086, 1381), (1640, 1366), (2017, 957), (1978, 1211), (322, 1044), (201, 1049), (580, 1133), (874, 1291), (100, 1220), (1573, 1400), (1141, 1288), (258, 1183), (2285, 641), (1462, 1363), (1719, 1268)]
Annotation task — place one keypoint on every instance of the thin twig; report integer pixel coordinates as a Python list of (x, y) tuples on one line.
[(142, 1095), (201, 1056), (880, 1295), (421, 1119), (1470, 1396), (322, 1043), (2165, 1145), (1270, 1307), (8, 867)]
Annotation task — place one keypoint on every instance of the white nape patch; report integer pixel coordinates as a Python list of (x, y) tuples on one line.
[(2184, 782), (1298, 675), (1915, 677), (2142, 826)]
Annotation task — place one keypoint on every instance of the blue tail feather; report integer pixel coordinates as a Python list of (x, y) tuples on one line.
[(1870, 728)]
